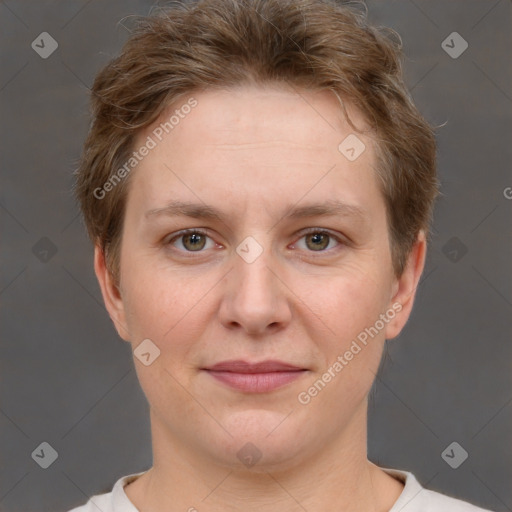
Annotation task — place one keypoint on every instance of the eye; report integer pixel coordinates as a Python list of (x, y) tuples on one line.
[(318, 240), (196, 240), (191, 240)]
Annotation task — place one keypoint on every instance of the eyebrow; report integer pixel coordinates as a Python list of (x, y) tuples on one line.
[(203, 211)]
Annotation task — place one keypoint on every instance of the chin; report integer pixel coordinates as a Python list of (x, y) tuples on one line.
[(262, 441)]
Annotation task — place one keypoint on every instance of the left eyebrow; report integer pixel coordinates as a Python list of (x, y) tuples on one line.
[(327, 209)]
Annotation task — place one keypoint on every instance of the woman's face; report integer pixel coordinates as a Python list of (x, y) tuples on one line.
[(267, 277)]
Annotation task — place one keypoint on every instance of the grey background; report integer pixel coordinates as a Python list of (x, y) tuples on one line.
[(68, 380)]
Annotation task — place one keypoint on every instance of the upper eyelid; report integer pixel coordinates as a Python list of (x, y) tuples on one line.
[(330, 232)]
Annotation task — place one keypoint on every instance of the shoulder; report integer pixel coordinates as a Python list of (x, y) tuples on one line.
[(432, 500), (415, 498), (101, 502), (113, 501)]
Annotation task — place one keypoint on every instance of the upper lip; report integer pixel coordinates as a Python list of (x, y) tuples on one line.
[(240, 366)]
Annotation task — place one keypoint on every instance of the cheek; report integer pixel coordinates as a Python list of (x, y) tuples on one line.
[(349, 302), (162, 303), (350, 305), (166, 308)]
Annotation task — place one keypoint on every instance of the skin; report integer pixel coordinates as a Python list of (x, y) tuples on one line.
[(252, 152)]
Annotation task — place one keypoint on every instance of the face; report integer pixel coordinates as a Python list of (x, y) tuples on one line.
[(250, 236)]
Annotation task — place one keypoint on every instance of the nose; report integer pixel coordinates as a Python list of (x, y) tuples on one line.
[(256, 299)]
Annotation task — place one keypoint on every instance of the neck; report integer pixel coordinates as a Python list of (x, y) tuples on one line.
[(337, 477)]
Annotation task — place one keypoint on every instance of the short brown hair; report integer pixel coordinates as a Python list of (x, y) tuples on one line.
[(311, 44)]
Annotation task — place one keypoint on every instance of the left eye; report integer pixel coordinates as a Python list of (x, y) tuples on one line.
[(318, 241)]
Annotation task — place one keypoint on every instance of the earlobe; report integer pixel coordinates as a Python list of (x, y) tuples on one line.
[(406, 286), (111, 294)]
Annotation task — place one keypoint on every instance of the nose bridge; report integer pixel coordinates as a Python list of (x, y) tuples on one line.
[(256, 299), (251, 269)]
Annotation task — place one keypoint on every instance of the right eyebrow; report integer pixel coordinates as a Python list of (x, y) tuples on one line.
[(184, 209)]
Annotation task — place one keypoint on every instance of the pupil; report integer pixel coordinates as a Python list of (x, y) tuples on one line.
[(317, 240), (194, 240)]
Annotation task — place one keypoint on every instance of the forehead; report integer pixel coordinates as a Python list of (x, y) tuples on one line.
[(251, 114), (267, 142)]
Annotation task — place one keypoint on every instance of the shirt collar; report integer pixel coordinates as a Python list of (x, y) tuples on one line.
[(411, 488)]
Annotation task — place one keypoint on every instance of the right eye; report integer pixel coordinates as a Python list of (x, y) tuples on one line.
[(191, 240)]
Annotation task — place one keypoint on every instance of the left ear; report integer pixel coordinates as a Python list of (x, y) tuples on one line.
[(405, 287)]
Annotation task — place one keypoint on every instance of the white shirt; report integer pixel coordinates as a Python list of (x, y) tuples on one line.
[(414, 498)]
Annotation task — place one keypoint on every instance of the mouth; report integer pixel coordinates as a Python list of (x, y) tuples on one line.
[(261, 377)]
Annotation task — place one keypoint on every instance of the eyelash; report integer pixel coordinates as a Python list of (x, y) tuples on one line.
[(308, 231)]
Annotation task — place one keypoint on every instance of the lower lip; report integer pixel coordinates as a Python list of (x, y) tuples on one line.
[(256, 382)]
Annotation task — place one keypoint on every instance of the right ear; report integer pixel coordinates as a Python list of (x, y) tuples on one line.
[(111, 294)]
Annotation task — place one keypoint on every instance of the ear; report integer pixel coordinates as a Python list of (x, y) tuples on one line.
[(405, 287), (111, 294)]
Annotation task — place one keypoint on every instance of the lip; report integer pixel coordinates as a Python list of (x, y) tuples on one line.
[(260, 377)]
